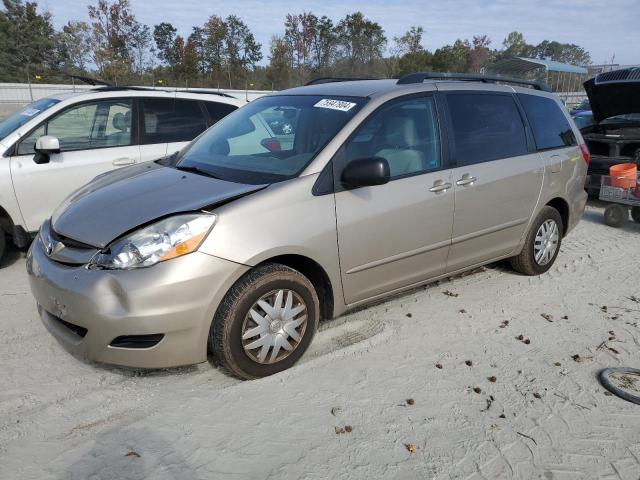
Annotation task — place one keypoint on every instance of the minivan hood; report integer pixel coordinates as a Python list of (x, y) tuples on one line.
[(115, 203), (614, 93)]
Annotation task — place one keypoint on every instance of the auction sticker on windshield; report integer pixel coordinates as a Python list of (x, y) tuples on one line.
[(335, 104)]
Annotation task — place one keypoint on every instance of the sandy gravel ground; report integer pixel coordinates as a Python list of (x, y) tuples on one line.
[(544, 415)]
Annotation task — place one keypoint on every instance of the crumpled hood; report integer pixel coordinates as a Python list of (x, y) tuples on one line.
[(117, 202), (614, 93)]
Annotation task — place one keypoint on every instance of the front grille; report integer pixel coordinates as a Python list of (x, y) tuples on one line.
[(69, 242), (77, 329), (137, 341)]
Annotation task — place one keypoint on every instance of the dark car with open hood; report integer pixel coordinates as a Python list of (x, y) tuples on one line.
[(614, 135)]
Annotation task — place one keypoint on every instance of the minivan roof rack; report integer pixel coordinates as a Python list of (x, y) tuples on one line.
[(321, 80), (469, 77)]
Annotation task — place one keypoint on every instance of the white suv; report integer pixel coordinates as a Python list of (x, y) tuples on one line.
[(57, 144)]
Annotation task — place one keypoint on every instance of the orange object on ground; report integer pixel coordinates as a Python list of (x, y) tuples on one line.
[(624, 175)]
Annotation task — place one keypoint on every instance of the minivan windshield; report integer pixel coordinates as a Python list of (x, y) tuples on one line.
[(269, 140), (19, 118)]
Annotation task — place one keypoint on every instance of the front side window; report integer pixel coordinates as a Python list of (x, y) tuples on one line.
[(405, 133), (253, 145), (550, 127), (86, 126), (486, 127)]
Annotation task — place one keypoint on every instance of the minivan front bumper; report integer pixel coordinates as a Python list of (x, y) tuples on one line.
[(170, 306)]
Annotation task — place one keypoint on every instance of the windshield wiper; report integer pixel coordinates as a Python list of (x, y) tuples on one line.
[(196, 170)]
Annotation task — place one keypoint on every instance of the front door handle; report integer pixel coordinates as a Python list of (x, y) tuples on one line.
[(466, 180), (440, 186), (124, 161)]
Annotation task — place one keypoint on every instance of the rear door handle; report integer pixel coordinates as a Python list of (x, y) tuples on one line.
[(121, 162), (466, 180), (440, 186)]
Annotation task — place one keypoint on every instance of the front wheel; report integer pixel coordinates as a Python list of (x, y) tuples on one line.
[(265, 322), (3, 243), (635, 214), (541, 245)]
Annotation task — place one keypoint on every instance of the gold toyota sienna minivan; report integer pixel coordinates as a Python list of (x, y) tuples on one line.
[(300, 206)]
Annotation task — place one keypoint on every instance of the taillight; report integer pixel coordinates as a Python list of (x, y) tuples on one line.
[(586, 156)]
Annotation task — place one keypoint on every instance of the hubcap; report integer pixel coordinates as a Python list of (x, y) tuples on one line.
[(546, 242), (274, 326)]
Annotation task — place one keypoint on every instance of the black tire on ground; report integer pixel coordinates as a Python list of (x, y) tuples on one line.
[(635, 214), (615, 215), (3, 243), (605, 380), (525, 261), (225, 338)]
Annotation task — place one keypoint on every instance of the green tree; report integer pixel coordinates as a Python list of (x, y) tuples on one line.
[(279, 70), (141, 48), (324, 44), (478, 53), (164, 36), (410, 42), (451, 58), (241, 50), (72, 54), (214, 31), (514, 45), (113, 29), (300, 35), (26, 40), (361, 44)]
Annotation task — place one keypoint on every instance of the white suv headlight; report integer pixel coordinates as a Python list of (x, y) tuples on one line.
[(169, 238)]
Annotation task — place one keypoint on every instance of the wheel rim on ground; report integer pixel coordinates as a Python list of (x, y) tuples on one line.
[(546, 242), (274, 326)]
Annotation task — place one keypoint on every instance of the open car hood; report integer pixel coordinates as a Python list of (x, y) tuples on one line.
[(614, 93), (120, 201)]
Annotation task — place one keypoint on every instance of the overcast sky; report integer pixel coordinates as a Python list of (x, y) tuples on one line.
[(592, 24)]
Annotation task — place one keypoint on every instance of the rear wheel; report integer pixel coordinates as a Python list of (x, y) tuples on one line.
[(615, 215), (541, 245), (266, 322), (635, 214)]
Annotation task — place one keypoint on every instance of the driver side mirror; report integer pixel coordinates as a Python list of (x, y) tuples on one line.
[(45, 146), (366, 172)]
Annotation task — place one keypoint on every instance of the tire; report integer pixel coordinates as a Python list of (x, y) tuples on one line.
[(233, 321), (635, 214), (525, 262), (606, 382), (3, 243), (615, 215)]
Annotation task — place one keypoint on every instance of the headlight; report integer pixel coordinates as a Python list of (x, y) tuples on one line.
[(164, 240)]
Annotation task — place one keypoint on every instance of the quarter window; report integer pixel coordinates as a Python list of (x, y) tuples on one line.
[(550, 127), (405, 133), (485, 127)]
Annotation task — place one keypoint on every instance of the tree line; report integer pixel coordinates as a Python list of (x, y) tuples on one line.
[(223, 52)]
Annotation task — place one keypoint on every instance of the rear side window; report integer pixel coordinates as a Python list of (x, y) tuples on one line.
[(218, 111), (486, 127), (167, 120), (550, 127)]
